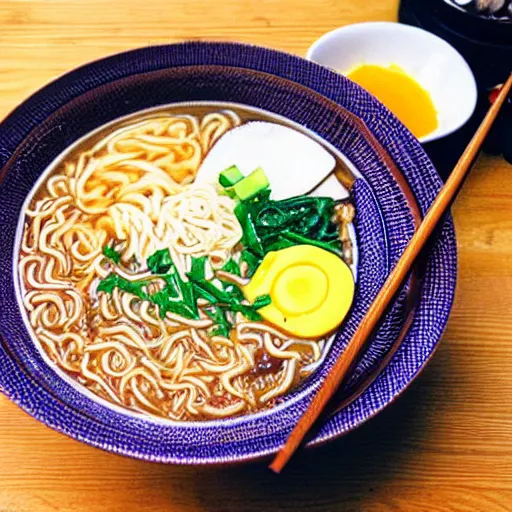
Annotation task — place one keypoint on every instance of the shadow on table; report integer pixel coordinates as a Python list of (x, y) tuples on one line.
[(344, 473)]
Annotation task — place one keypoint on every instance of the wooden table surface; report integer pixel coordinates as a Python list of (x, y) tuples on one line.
[(446, 445)]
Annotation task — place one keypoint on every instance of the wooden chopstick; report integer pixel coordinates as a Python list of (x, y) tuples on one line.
[(438, 208)]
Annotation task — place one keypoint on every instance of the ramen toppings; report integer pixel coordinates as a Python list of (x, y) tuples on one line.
[(156, 293)]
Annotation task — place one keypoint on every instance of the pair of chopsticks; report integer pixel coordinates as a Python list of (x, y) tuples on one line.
[(438, 208)]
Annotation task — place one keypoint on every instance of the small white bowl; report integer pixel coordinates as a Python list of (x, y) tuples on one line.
[(436, 65)]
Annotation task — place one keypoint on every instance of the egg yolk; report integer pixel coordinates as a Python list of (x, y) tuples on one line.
[(311, 290), (401, 94)]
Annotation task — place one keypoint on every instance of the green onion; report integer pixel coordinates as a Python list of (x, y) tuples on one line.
[(252, 261), (261, 301), (251, 185)]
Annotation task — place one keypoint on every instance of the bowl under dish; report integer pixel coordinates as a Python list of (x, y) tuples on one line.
[(62, 112)]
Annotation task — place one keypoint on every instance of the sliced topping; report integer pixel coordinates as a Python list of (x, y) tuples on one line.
[(294, 163), (245, 188), (311, 290)]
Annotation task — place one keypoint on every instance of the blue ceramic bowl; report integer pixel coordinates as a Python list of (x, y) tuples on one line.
[(398, 184)]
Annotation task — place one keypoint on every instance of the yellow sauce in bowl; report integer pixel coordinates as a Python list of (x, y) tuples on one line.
[(403, 95)]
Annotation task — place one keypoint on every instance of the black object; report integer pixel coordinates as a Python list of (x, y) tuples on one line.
[(486, 44)]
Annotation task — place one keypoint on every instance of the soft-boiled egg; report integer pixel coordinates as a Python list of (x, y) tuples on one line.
[(311, 290), (401, 93), (294, 163)]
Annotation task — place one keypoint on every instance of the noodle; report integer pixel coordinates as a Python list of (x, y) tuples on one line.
[(133, 191)]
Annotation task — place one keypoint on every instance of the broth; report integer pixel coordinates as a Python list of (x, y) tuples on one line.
[(110, 240)]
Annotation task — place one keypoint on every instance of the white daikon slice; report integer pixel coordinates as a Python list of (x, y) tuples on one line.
[(330, 187), (293, 162)]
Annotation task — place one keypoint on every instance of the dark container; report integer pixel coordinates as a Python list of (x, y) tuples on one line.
[(486, 44)]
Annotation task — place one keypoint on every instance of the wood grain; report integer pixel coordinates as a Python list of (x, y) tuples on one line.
[(446, 445), (396, 278)]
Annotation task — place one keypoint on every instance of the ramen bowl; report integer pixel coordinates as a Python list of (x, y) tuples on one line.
[(390, 180)]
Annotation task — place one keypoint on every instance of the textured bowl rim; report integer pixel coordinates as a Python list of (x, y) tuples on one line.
[(271, 59)]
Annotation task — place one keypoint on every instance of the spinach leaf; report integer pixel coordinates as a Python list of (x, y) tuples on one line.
[(112, 254), (222, 325), (270, 225), (136, 288), (160, 262), (232, 267), (197, 270)]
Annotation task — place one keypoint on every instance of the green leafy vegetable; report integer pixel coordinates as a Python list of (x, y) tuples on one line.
[(211, 293), (136, 288), (175, 297), (112, 254), (252, 261), (230, 176), (261, 301), (270, 225), (218, 315), (197, 270), (233, 290), (232, 267), (169, 303), (250, 311), (250, 238), (247, 310), (180, 297), (160, 262)]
